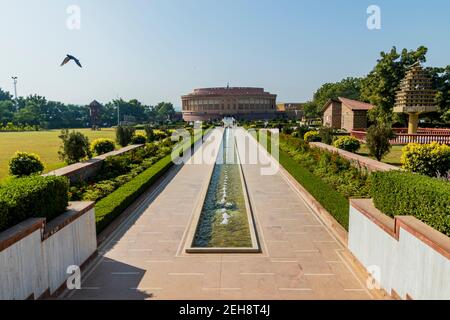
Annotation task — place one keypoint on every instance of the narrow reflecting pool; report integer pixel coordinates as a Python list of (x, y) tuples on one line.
[(224, 221)]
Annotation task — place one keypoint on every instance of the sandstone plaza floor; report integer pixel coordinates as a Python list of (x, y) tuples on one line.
[(144, 257)]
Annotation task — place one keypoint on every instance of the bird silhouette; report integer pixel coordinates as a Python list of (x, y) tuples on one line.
[(68, 58)]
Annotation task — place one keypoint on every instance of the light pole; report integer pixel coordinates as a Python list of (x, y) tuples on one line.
[(15, 86)]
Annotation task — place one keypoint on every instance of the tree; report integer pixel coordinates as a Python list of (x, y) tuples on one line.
[(441, 82), (75, 146), (124, 134), (7, 110), (381, 84), (5, 95), (164, 111), (348, 88), (377, 140)]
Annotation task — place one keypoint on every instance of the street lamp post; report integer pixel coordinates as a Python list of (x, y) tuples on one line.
[(15, 86)]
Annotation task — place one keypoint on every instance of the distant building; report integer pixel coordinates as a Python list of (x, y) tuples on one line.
[(95, 110), (291, 110), (241, 103), (346, 114)]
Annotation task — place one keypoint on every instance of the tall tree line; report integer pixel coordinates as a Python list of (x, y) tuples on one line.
[(38, 111)]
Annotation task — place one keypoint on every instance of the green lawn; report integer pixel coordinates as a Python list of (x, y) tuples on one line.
[(45, 143), (392, 158)]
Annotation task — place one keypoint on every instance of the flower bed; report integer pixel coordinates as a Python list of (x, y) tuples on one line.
[(327, 176), (119, 170), (112, 205)]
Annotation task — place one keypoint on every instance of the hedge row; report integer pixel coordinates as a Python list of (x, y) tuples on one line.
[(32, 197), (400, 193), (335, 203), (107, 209)]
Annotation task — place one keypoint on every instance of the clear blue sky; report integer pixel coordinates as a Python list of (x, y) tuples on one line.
[(156, 50)]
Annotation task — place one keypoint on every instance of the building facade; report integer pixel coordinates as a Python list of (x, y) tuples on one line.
[(241, 103), (346, 114), (291, 110)]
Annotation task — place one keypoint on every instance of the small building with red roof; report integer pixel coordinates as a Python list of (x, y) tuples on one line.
[(346, 114)]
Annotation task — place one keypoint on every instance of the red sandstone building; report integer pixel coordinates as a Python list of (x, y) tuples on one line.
[(242, 103), (346, 114)]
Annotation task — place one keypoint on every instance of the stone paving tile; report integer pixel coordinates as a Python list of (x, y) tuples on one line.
[(300, 258)]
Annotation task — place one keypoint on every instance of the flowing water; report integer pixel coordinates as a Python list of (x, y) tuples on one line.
[(223, 221)]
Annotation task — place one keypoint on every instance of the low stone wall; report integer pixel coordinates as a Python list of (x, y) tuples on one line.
[(34, 256), (406, 257), (84, 170), (356, 159)]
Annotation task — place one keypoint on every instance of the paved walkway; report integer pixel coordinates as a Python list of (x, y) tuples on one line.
[(145, 259)]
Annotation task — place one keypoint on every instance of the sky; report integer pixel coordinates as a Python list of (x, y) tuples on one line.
[(158, 50)]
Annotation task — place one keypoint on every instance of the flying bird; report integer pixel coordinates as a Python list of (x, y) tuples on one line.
[(68, 58)]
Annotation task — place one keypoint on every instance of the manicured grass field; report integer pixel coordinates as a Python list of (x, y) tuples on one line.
[(392, 158), (44, 143)]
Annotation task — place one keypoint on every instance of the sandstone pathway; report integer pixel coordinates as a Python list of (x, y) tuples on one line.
[(145, 258)]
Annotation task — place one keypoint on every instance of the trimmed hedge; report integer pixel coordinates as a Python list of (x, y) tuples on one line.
[(32, 197), (335, 203), (107, 209), (25, 164), (110, 207), (102, 146), (401, 193), (347, 143)]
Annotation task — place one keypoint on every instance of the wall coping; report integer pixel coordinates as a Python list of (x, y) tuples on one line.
[(68, 170), (428, 235), (369, 164), (21, 230), (74, 211)]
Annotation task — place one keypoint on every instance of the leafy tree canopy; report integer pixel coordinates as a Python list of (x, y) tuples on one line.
[(381, 84)]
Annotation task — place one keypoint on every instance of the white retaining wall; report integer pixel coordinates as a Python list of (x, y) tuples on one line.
[(37, 263), (412, 262)]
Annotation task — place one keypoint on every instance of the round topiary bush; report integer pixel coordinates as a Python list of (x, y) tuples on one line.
[(102, 146), (139, 139), (347, 143), (312, 136), (428, 159), (25, 164)]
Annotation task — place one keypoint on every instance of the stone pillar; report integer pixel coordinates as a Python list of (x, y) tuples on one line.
[(413, 123)]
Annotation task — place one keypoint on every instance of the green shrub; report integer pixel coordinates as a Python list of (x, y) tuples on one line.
[(327, 176), (150, 135), (113, 205), (326, 135), (347, 143), (102, 146), (25, 164), (160, 135), (124, 134), (301, 130), (377, 140), (138, 139), (332, 201), (429, 159), (312, 136), (398, 193), (34, 196), (287, 130), (75, 147)]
